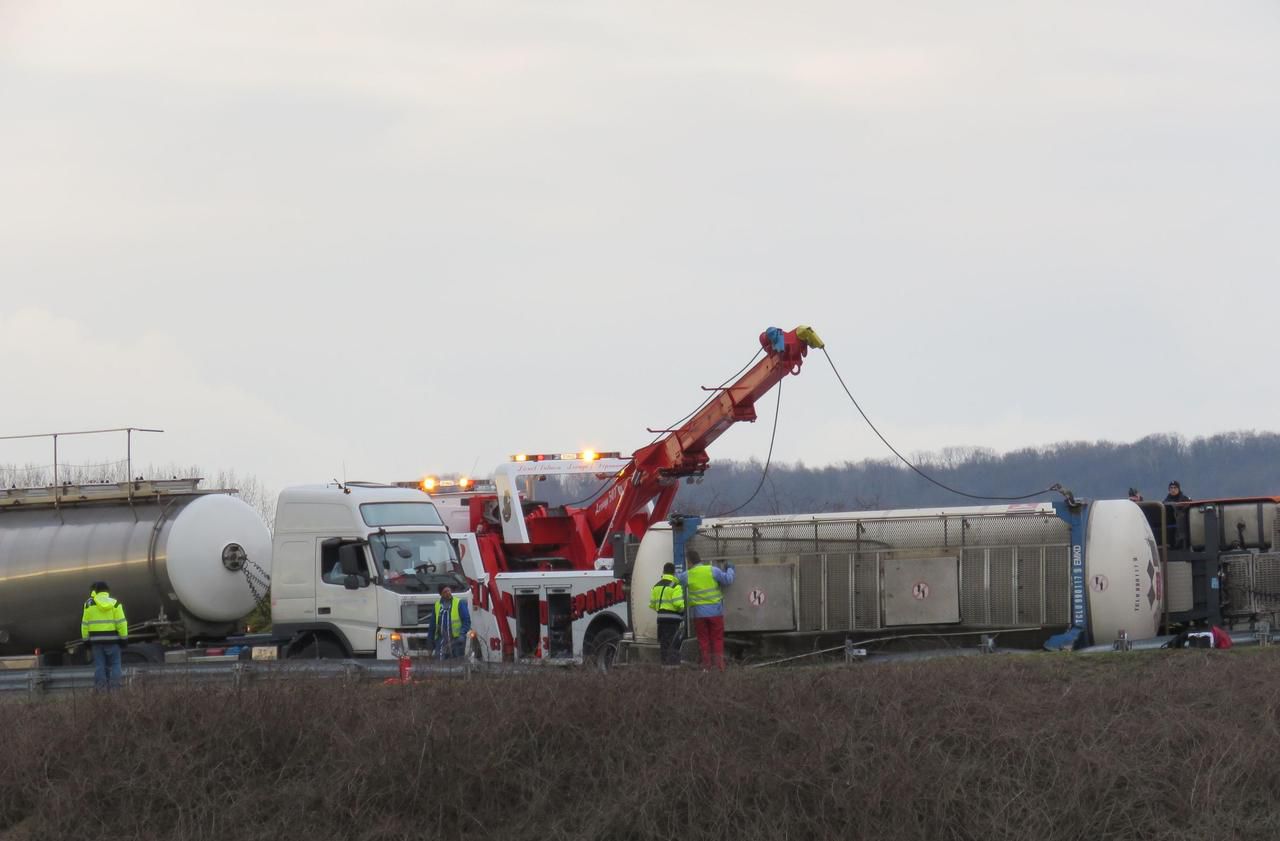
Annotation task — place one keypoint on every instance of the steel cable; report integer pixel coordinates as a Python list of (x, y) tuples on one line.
[(767, 461), (1055, 487), (589, 497)]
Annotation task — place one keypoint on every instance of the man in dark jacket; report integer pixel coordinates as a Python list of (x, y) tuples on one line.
[(1177, 517)]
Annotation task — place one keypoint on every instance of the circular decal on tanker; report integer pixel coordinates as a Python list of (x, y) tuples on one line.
[(920, 591), (756, 597), (1099, 583)]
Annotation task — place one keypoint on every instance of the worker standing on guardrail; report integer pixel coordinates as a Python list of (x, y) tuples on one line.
[(702, 584), (667, 598), (450, 622), (103, 625)]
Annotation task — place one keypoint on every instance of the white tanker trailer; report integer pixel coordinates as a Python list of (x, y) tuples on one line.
[(179, 558), (1054, 574)]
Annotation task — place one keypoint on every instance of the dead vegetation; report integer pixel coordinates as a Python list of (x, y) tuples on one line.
[(1171, 745)]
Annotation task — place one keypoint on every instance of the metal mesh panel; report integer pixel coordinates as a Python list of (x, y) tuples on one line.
[(1238, 585), (1252, 585), (1266, 582), (839, 592), (1057, 585), (1030, 585), (810, 592), (742, 539), (973, 586), (866, 591), (1000, 591), (1015, 530)]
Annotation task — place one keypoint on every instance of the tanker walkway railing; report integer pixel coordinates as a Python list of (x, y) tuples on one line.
[(38, 682)]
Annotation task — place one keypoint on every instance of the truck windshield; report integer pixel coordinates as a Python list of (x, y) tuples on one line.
[(400, 514), (416, 562)]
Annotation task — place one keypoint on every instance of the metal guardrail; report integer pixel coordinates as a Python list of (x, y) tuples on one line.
[(60, 679)]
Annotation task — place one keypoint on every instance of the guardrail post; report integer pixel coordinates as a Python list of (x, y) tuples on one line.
[(36, 680)]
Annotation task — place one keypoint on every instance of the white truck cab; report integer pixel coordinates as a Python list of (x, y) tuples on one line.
[(358, 569)]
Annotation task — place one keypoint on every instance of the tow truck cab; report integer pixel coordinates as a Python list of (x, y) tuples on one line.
[(358, 569), (545, 617)]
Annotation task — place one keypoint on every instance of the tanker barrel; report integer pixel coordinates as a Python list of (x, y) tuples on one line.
[(183, 556)]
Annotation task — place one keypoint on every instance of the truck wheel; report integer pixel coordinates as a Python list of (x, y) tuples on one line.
[(602, 649), (320, 648)]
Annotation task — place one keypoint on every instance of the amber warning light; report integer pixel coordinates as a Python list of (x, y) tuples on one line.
[(431, 483), (585, 455)]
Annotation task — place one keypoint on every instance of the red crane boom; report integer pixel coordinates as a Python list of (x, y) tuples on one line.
[(580, 536), (655, 470)]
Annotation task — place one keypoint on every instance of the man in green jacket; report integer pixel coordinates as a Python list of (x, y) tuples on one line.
[(667, 598), (103, 625)]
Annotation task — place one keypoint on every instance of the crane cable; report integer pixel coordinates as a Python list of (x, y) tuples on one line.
[(1054, 488), (768, 459), (715, 391)]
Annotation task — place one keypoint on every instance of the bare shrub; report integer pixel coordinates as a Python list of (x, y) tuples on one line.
[(1164, 746)]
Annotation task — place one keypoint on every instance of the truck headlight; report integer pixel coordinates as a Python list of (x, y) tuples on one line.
[(409, 613)]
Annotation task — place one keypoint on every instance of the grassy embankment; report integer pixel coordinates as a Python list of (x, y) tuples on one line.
[(1167, 745)]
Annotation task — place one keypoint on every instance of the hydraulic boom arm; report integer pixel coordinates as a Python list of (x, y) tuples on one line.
[(655, 470)]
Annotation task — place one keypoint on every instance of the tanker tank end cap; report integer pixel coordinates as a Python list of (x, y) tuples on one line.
[(234, 557)]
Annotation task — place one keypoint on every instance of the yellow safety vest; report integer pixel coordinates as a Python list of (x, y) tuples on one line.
[(703, 587), (103, 619), (667, 596), (455, 617)]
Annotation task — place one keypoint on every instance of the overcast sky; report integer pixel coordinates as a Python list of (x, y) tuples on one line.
[(388, 238)]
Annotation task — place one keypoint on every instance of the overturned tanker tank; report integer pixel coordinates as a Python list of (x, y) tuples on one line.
[(187, 563), (1057, 575)]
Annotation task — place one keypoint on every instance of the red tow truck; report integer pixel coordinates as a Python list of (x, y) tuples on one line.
[(543, 583)]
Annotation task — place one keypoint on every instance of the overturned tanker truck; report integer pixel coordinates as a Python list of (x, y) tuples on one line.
[(1062, 575)]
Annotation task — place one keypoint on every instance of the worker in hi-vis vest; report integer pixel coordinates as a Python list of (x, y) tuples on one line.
[(103, 625), (702, 583), (667, 598), (451, 620)]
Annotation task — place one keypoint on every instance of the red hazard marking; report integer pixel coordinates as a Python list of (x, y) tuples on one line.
[(1099, 583), (920, 591), (756, 597)]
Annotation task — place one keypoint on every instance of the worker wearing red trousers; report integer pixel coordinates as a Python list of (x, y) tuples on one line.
[(702, 583)]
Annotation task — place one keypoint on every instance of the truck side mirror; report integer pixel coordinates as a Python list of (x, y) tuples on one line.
[(351, 582), (349, 560)]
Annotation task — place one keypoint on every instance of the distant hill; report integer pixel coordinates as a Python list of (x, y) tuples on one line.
[(1229, 464)]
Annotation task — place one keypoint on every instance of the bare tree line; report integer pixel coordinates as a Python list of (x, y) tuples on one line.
[(1224, 465)]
